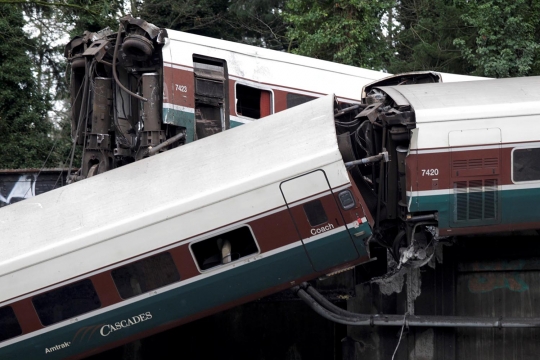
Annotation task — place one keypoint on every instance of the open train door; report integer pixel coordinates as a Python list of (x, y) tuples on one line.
[(318, 220)]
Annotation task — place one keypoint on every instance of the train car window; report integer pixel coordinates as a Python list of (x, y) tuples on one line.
[(66, 302), (145, 275), (346, 199), (252, 102), (297, 99), (526, 166), (9, 325), (224, 248), (315, 213)]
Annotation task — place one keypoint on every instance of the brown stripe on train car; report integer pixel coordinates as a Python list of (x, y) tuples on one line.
[(496, 162)]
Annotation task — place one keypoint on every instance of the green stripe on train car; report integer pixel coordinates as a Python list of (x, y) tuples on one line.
[(181, 118), (157, 309), (514, 206)]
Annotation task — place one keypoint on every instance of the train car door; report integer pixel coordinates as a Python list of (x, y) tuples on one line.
[(318, 220), (211, 95), (475, 177)]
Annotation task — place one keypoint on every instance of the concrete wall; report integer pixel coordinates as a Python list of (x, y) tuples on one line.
[(488, 276), (20, 184)]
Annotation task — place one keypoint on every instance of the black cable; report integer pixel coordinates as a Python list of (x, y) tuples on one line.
[(85, 95), (118, 37)]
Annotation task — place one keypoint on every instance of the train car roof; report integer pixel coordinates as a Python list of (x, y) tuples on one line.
[(507, 104), (270, 67), (448, 77), (266, 66), (269, 54), (470, 99), (56, 229)]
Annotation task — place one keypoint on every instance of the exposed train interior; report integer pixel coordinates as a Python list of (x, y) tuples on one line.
[(117, 118), (116, 111), (374, 140)]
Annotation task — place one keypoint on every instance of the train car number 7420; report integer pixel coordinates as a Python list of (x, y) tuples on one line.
[(430, 172)]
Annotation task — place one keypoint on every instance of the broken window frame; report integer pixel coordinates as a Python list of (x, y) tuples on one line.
[(202, 74), (217, 234), (257, 87)]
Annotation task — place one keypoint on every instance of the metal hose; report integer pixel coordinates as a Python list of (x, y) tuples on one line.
[(118, 37), (333, 313)]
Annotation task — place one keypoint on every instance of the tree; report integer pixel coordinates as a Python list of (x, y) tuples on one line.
[(93, 15), (26, 133), (259, 22), (505, 40), (202, 17), (425, 37), (348, 31), (255, 22)]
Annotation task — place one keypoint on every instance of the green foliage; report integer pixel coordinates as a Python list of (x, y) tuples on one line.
[(26, 134), (258, 22), (92, 15), (496, 38), (203, 17), (425, 38), (505, 42), (348, 31), (255, 22)]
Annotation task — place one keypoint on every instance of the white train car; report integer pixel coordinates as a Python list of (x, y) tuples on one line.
[(228, 83), (171, 238)]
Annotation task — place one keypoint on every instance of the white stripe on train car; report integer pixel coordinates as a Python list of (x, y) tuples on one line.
[(219, 270)]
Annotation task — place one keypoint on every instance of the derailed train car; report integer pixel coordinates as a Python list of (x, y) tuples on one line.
[(169, 88), (179, 236), (174, 87), (452, 159)]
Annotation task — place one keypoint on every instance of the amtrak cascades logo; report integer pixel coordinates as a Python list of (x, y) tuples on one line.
[(119, 325)]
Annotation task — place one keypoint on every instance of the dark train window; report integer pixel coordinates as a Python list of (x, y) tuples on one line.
[(297, 99), (224, 248), (315, 213), (526, 164), (66, 302), (145, 275), (252, 102), (9, 326)]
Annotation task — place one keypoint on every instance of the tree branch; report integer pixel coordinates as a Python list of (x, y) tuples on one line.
[(50, 4)]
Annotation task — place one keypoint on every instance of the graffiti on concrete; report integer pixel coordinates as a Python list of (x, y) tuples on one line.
[(18, 185), (498, 275), (23, 188)]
